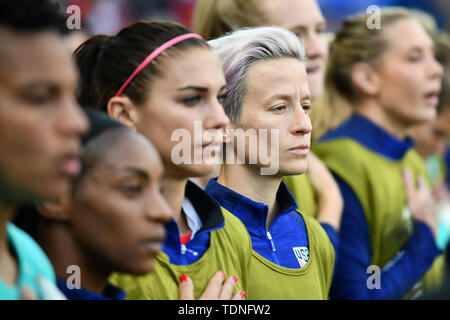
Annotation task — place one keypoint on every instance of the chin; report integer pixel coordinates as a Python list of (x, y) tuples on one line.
[(51, 190), (200, 170), (294, 169), (141, 269)]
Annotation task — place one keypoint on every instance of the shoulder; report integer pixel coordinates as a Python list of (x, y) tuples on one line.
[(30, 255), (236, 231), (317, 235)]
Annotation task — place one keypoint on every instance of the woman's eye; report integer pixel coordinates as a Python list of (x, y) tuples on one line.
[(320, 30), (279, 108), (191, 101), (221, 98), (131, 188), (36, 99), (306, 107), (415, 58)]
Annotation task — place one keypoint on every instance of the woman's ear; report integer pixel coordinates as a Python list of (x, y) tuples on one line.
[(54, 210), (366, 79), (123, 110)]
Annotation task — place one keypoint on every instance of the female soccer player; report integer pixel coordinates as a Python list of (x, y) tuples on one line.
[(40, 125), (316, 192), (267, 93), (390, 77), (112, 219), (165, 82)]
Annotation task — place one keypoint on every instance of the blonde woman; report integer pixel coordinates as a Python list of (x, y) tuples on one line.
[(392, 81), (268, 93)]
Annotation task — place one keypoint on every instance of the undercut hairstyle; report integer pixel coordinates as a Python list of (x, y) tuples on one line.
[(29, 16), (239, 50)]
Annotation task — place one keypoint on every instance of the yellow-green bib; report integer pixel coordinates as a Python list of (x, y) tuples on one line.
[(377, 182), (229, 251), (268, 281)]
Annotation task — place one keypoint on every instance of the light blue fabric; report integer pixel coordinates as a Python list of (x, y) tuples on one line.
[(32, 262)]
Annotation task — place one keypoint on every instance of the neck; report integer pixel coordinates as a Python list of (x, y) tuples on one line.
[(257, 187), (173, 189), (375, 113), (8, 264), (64, 250)]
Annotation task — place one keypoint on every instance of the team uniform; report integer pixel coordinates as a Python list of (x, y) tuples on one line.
[(376, 227), (32, 263), (294, 259), (219, 242), (303, 193), (111, 292), (301, 188)]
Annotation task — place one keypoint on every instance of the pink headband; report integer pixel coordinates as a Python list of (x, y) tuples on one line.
[(153, 55)]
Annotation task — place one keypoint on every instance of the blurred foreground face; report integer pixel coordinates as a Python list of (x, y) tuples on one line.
[(190, 90), (40, 121), (117, 212), (432, 137), (278, 98), (408, 76), (304, 18)]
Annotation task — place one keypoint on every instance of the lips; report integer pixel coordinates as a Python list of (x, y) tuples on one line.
[(432, 98), (69, 165), (153, 246), (302, 149), (211, 146)]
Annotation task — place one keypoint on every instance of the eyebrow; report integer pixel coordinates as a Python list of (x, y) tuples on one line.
[(40, 86), (141, 173), (197, 88), (321, 23), (286, 97)]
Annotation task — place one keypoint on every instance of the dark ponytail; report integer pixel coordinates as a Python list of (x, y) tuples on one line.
[(105, 63), (87, 56)]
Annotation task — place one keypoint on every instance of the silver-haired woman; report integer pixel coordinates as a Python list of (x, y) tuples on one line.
[(268, 100)]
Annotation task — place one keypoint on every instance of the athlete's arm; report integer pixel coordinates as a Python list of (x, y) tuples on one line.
[(405, 270)]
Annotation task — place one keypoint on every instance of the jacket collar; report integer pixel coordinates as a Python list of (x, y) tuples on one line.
[(252, 214), (111, 292), (371, 136)]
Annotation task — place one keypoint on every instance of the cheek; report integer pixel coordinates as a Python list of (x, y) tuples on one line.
[(100, 212), (160, 124), (25, 136), (402, 83)]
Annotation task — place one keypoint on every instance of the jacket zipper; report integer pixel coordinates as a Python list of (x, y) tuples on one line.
[(185, 249), (274, 250)]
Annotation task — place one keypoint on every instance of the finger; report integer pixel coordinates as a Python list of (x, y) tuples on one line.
[(186, 288), (409, 184), (240, 295), (227, 288), (214, 286), (28, 294), (422, 184)]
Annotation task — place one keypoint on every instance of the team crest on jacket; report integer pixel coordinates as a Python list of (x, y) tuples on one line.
[(302, 255)]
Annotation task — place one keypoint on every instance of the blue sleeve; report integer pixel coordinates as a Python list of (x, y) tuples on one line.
[(404, 271), (333, 235)]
